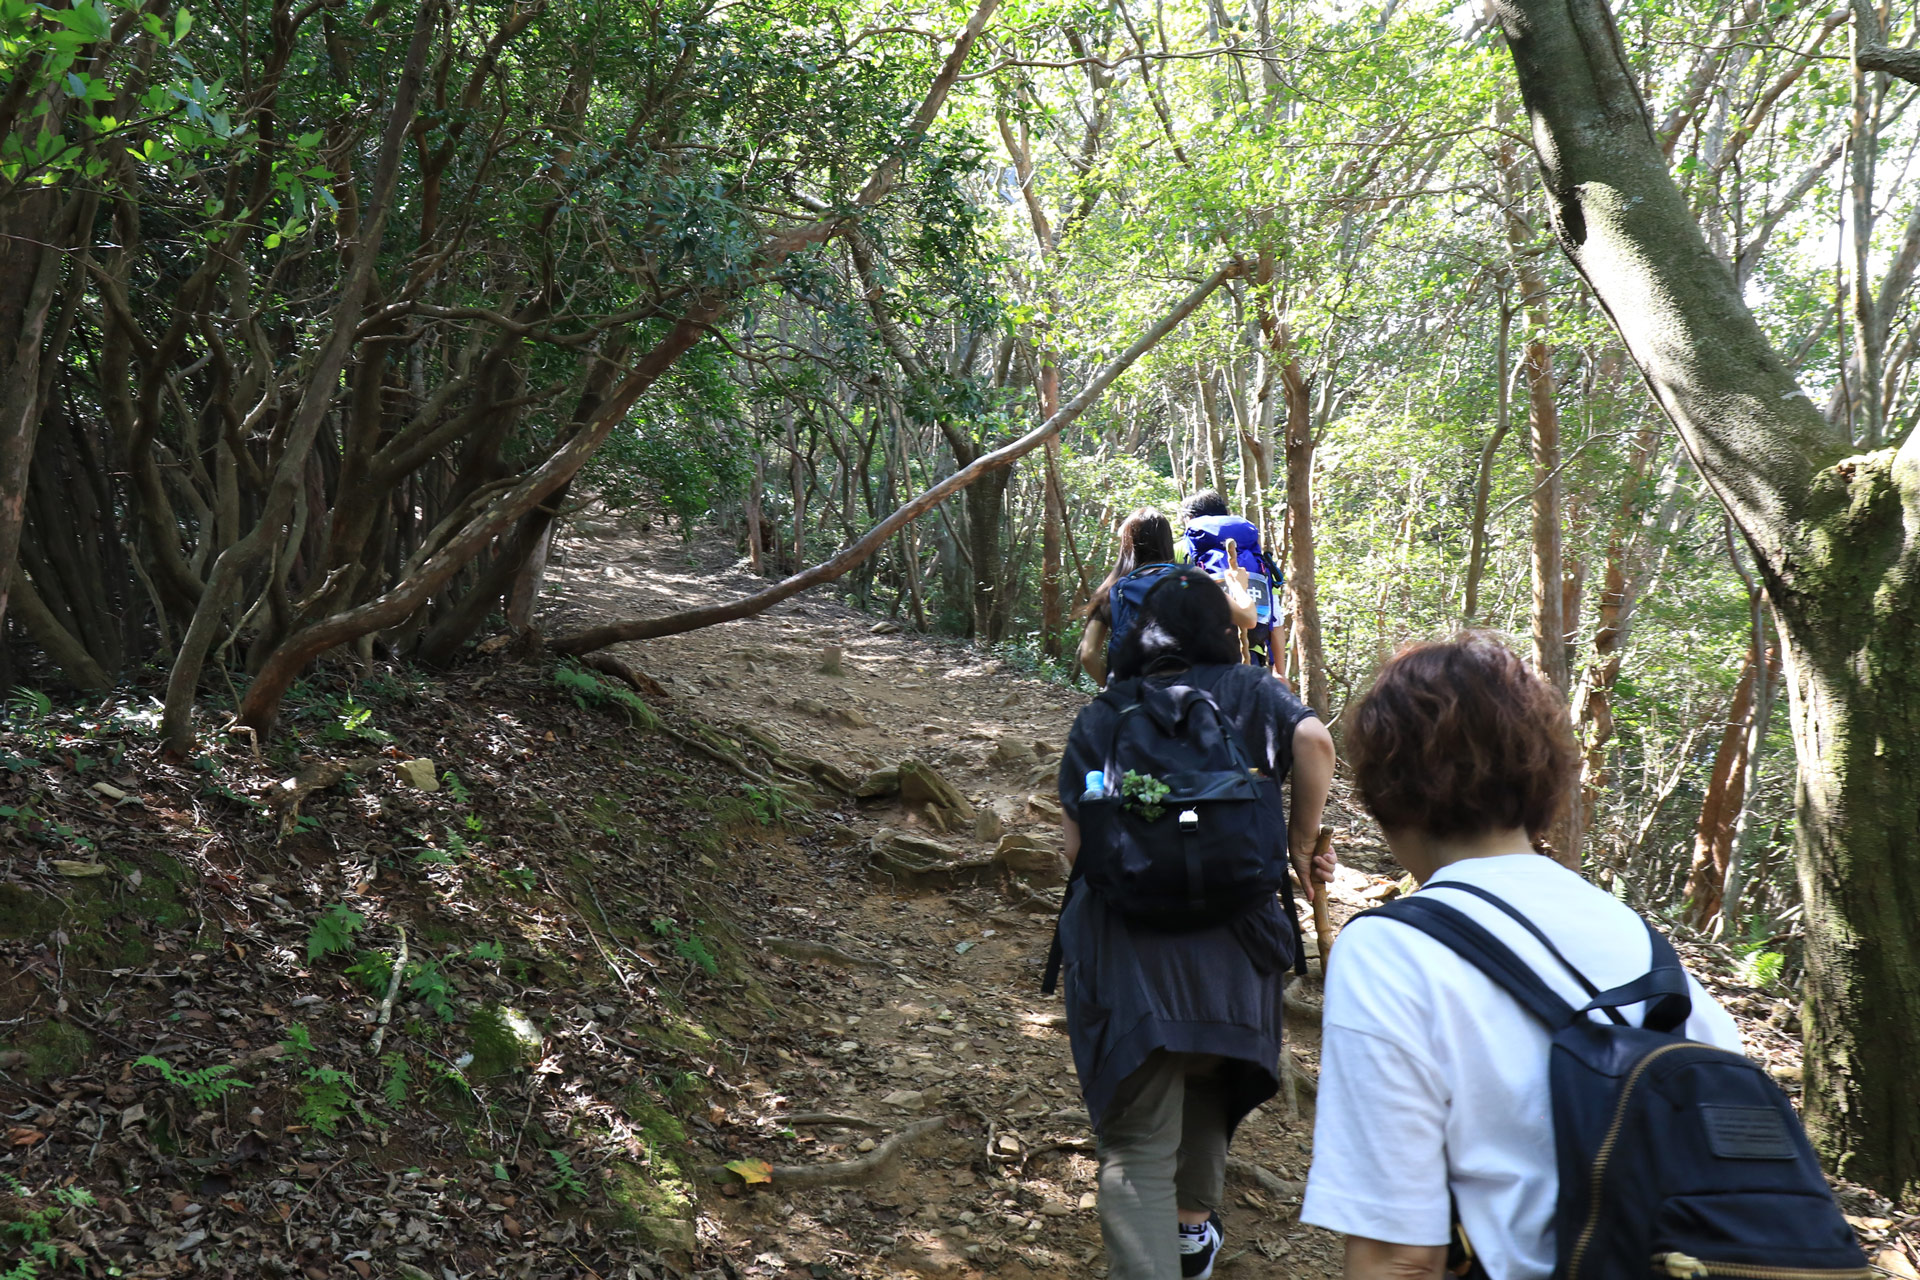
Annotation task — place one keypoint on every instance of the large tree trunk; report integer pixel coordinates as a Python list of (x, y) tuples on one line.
[(1831, 530), (1300, 582), (30, 267), (1052, 616), (1543, 423)]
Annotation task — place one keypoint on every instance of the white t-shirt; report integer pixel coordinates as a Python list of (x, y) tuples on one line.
[(1433, 1079)]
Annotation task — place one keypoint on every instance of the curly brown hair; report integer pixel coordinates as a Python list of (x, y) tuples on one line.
[(1459, 737)]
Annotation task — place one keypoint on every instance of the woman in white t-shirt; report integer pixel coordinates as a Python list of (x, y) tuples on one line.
[(1433, 1081)]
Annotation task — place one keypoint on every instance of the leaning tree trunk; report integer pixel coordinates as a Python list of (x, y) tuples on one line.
[(1832, 530)]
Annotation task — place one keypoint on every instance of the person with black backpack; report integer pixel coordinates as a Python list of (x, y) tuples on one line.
[(1173, 943), (1517, 1077)]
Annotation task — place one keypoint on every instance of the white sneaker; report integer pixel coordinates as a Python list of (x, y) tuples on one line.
[(1198, 1249)]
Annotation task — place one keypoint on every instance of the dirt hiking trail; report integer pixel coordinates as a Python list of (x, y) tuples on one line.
[(932, 1008), (517, 971)]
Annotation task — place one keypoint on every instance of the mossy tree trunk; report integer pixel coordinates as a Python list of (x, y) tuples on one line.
[(1836, 534)]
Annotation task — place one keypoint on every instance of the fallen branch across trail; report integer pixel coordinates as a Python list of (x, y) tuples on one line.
[(674, 624)]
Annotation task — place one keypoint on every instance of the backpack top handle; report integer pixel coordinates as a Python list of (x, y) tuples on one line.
[(1235, 755), (1663, 989)]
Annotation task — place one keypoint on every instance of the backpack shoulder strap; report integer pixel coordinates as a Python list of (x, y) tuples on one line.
[(1469, 940), (1613, 1015)]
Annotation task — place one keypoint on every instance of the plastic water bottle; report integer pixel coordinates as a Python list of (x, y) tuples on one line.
[(1096, 785)]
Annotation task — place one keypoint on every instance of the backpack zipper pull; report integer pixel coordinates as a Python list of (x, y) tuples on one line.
[(1683, 1266)]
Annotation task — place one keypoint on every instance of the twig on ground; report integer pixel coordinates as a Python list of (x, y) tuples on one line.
[(828, 1117), (840, 1173), (393, 989)]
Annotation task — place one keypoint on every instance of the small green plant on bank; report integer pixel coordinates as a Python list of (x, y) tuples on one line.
[(399, 1078), (566, 1182), (205, 1086), (333, 931), (429, 985), (326, 1093), (457, 790), (769, 804), (373, 970), (690, 947), (352, 722), (589, 690), (31, 1232), (1761, 968)]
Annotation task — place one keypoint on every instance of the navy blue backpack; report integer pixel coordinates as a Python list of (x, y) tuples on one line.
[(1676, 1159), (1207, 538), (1124, 601)]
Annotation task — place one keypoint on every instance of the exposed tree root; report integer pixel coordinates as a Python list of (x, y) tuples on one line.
[(806, 949), (1299, 1006), (639, 681), (286, 798), (841, 1173), (1266, 1177)]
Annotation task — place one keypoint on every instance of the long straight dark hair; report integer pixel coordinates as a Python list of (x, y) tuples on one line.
[(1146, 537), (1185, 619)]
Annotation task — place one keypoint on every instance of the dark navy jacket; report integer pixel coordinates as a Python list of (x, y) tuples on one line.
[(1130, 990)]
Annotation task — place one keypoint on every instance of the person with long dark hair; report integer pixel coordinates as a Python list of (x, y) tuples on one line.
[(1176, 1030), (1146, 554), (1146, 539)]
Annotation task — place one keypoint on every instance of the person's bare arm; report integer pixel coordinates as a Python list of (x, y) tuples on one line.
[(1093, 651), (1378, 1260), (1312, 779), (1234, 581)]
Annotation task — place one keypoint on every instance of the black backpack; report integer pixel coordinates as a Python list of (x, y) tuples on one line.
[(1676, 1159), (1209, 847)]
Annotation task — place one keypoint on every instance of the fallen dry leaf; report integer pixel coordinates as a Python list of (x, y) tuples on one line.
[(751, 1171)]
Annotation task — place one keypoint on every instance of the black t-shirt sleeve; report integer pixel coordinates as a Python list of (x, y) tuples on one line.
[(1277, 713)]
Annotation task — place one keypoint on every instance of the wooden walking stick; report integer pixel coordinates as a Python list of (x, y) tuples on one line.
[(1322, 922)]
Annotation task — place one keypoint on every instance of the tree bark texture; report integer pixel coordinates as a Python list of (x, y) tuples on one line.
[(1713, 833), (1832, 532), (1301, 584)]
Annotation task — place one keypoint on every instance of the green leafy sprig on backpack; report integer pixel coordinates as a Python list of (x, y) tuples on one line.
[(1143, 793)]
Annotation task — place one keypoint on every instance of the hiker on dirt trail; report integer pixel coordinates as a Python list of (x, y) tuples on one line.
[(1434, 1103), (1146, 553), (1174, 945), (1228, 547)]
